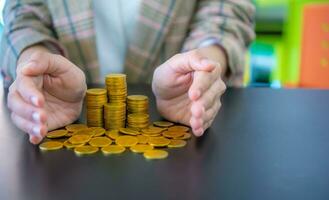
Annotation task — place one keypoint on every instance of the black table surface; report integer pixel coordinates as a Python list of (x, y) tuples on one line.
[(264, 144)]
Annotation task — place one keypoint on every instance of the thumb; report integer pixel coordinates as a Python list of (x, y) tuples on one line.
[(190, 61), (46, 63)]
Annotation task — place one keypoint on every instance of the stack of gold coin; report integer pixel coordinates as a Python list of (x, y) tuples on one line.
[(137, 104), (95, 100), (116, 87), (114, 115), (138, 120)]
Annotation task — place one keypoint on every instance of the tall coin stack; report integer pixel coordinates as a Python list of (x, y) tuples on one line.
[(116, 87), (95, 100), (114, 115), (115, 110), (137, 104)]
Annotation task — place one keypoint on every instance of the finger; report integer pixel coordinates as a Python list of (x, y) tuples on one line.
[(34, 140), (208, 99), (199, 85), (197, 110), (45, 63), (198, 132), (210, 114), (202, 81), (190, 61), (29, 127), (28, 90), (52, 67), (17, 105), (207, 120), (208, 124), (196, 123)]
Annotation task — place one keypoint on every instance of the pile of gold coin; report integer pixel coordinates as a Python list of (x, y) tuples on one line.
[(115, 115), (137, 104), (138, 120), (151, 141), (108, 130), (116, 87), (95, 100)]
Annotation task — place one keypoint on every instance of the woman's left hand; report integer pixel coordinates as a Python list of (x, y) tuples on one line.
[(188, 88)]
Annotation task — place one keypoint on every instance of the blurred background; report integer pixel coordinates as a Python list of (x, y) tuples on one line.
[(292, 44)]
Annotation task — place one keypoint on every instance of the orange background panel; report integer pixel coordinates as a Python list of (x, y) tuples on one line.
[(314, 71)]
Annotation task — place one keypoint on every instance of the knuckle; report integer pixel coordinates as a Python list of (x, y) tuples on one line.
[(10, 101), (36, 56), (222, 85), (13, 117), (194, 53), (13, 86), (177, 56), (18, 70), (219, 105), (60, 57), (27, 127)]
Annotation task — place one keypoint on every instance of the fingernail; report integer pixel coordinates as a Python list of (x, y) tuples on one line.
[(36, 131), (34, 100), (36, 116)]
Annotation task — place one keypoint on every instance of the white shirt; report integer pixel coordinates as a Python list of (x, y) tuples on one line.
[(115, 22)]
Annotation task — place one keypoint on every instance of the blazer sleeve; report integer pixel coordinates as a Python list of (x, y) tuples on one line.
[(26, 23), (227, 23)]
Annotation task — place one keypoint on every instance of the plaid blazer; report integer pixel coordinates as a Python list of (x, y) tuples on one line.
[(164, 28)]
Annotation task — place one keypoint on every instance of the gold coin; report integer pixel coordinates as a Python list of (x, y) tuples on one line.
[(75, 127), (69, 145), (109, 76), (138, 116), (179, 128), (100, 141), (87, 131), (173, 134), (163, 123), (82, 150), (115, 114), (137, 104), (186, 136), (57, 134), (137, 97), (113, 149), (142, 139), (96, 91), (152, 131), (155, 135), (158, 141), (162, 128), (51, 145), (155, 154), (79, 139), (129, 131), (126, 141), (113, 134), (117, 87), (141, 148), (177, 143), (99, 131)]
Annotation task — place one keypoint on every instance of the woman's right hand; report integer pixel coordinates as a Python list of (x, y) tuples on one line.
[(47, 94)]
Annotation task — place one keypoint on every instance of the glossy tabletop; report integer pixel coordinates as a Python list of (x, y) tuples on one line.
[(264, 144)]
